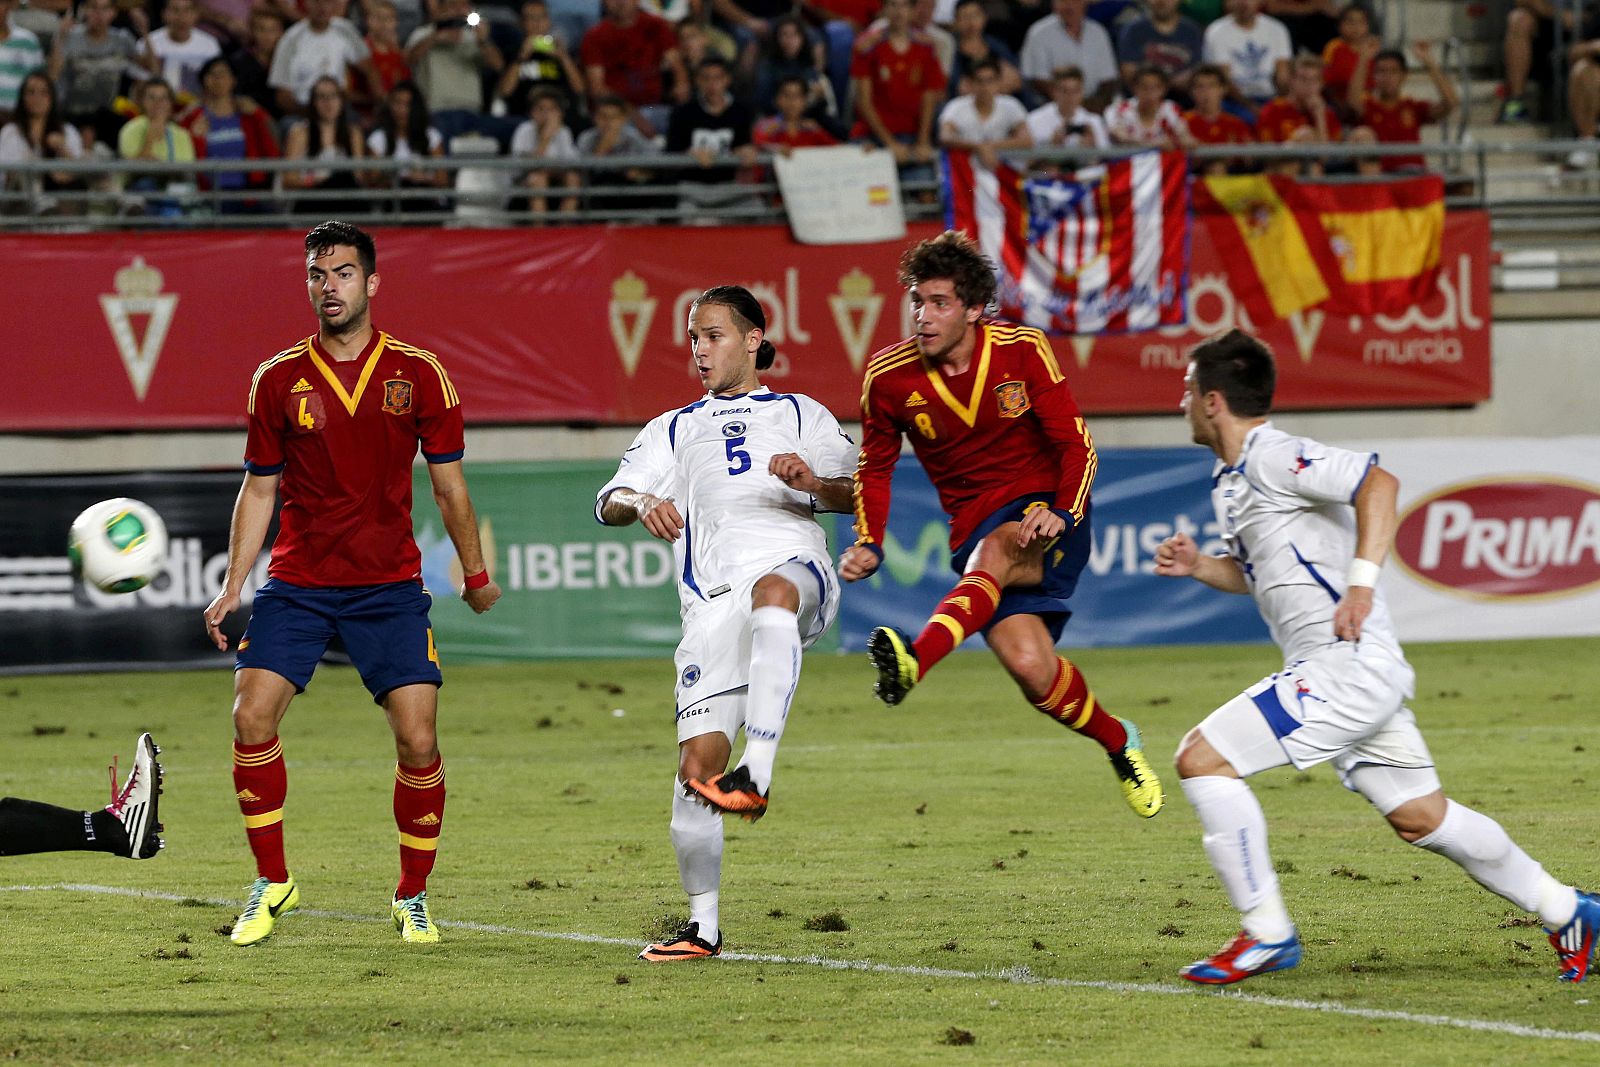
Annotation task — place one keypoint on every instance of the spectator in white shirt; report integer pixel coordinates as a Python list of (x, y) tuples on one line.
[(1065, 122), (318, 46), (985, 122), (545, 136), (1070, 38), (1148, 118), (1253, 48), (179, 50), (404, 132)]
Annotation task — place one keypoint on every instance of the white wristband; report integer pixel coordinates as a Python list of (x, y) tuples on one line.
[(1362, 572)]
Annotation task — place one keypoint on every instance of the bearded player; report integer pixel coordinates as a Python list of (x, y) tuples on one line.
[(334, 424), (995, 426)]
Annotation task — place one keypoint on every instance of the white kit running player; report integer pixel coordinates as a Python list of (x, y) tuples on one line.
[(733, 481), (1307, 528)]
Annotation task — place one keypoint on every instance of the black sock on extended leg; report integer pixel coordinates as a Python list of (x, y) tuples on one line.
[(29, 826)]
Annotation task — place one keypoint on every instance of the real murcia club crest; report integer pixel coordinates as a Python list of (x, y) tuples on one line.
[(139, 293), (855, 310), (631, 310)]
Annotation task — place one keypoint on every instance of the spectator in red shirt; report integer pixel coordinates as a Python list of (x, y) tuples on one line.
[(383, 39), (625, 53), (1396, 119), (1344, 51), (1209, 123), (1301, 117), (790, 128), (898, 86)]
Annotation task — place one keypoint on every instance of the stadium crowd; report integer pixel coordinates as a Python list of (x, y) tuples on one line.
[(323, 81)]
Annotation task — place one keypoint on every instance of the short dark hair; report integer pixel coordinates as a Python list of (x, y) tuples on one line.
[(955, 256), (747, 315), (714, 61), (325, 235), (1065, 73), (988, 62), (1211, 70), (609, 100), (218, 61), (1391, 53), (791, 79), (556, 96), (1240, 368), (1150, 70)]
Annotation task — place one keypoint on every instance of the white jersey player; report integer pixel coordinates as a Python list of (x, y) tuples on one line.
[(1307, 528), (733, 481)]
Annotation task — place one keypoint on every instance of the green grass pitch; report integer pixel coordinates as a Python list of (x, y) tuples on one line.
[(976, 850)]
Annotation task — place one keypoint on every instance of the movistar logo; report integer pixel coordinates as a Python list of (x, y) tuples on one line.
[(907, 565)]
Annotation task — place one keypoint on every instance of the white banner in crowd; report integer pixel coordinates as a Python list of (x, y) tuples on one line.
[(1497, 538), (840, 196)]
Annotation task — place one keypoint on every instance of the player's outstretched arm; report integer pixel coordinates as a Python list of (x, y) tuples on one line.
[(252, 514), (834, 494), (624, 507), (1179, 557), (461, 523), (1375, 526)]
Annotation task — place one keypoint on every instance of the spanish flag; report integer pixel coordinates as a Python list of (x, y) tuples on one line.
[(1357, 248)]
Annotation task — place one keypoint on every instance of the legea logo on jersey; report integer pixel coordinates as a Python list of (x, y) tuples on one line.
[(1521, 536), (139, 293), (631, 311), (856, 308)]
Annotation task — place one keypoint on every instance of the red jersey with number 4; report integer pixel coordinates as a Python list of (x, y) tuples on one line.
[(344, 435), (1005, 427)]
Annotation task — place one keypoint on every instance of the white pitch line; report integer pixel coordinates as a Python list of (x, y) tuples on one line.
[(1018, 975)]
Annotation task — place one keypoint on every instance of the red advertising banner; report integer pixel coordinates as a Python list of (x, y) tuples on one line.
[(585, 325)]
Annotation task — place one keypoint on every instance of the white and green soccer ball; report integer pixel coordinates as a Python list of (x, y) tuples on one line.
[(118, 545)]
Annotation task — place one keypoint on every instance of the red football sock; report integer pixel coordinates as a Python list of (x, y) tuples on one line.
[(261, 781), (1071, 704), (419, 813), (963, 612)]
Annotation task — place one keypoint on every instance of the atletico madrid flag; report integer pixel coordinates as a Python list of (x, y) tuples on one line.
[(1105, 251), (1357, 248)]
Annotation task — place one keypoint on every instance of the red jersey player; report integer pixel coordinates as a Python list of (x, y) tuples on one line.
[(991, 418), (334, 423)]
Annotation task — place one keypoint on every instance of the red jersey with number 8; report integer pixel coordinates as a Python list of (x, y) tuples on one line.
[(1005, 427), (344, 435)]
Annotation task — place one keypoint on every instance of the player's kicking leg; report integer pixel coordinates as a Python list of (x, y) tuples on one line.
[(129, 826), (780, 603)]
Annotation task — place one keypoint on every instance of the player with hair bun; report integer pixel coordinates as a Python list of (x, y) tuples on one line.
[(732, 482)]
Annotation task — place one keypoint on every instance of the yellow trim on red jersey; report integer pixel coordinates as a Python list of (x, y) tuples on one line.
[(1036, 337), (255, 380), (350, 402), (967, 412), (451, 398), (1090, 466)]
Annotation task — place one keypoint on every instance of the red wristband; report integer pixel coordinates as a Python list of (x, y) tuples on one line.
[(476, 581)]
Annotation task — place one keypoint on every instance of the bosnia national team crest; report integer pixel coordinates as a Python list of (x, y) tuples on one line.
[(691, 675), (397, 396), (1013, 397)]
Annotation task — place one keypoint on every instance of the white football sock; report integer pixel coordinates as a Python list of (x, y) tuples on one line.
[(1236, 843), (697, 839), (1486, 852), (774, 673)]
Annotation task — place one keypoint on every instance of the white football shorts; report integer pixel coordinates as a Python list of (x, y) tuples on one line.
[(1344, 705), (713, 659)]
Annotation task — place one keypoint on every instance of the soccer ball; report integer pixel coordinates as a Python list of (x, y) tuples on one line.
[(118, 545)]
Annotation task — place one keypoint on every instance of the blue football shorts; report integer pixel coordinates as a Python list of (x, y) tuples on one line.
[(1064, 560), (384, 628)]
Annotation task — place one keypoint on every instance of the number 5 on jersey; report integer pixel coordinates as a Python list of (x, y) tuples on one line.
[(738, 458)]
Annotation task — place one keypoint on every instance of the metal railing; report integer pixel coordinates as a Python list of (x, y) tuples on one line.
[(482, 190)]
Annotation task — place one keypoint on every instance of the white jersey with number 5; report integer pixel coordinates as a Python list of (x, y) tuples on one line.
[(711, 459), (1286, 517)]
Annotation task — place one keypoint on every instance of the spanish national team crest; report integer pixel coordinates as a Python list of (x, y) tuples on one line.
[(1013, 397), (397, 396)]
